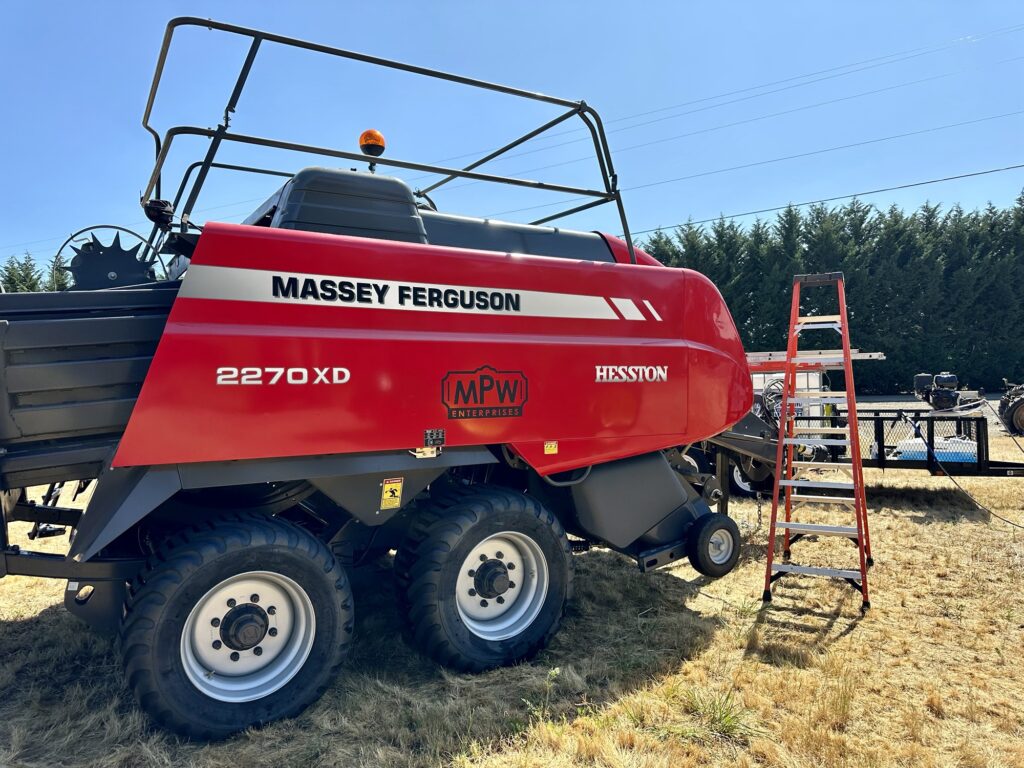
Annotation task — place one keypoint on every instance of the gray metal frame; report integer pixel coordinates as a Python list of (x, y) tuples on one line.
[(609, 194)]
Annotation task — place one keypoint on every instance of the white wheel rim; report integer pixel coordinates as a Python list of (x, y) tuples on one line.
[(490, 609), (217, 661), (741, 480), (720, 546)]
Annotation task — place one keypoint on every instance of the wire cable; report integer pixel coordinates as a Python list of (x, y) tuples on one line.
[(784, 158), (917, 433), (837, 198)]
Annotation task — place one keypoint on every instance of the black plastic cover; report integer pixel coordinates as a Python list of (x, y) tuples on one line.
[(349, 203)]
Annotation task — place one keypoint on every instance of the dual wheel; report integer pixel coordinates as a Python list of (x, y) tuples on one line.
[(245, 621)]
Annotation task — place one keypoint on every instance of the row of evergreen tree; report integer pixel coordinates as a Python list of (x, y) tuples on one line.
[(934, 290), (21, 273)]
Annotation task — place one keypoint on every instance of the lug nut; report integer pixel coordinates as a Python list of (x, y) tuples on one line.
[(500, 555), (271, 610), (215, 622), (483, 558), (472, 593), (511, 566), (257, 651), (501, 600), (272, 632), (472, 573), (232, 603), (216, 645), (234, 656), (254, 598), (511, 585), (483, 603)]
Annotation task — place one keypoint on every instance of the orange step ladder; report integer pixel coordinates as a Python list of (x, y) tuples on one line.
[(793, 488)]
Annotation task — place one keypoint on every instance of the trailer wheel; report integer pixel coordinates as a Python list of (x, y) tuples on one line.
[(1013, 416), (236, 624), (713, 545), (490, 582)]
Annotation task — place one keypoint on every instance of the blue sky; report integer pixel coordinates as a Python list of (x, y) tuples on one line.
[(76, 77)]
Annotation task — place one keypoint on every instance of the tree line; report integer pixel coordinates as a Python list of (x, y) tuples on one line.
[(21, 273), (934, 290)]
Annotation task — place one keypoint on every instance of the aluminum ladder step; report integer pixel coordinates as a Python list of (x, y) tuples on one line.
[(810, 499), (812, 441), (823, 530), (818, 319), (821, 430), (816, 484), (815, 359), (810, 570), (820, 400), (822, 465), (819, 393)]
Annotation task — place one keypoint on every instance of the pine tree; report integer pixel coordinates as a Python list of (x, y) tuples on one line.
[(20, 274), (57, 276)]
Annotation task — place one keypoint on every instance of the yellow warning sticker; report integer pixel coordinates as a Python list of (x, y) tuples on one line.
[(391, 493), (550, 447)]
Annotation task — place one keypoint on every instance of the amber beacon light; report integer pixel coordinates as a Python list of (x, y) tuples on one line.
[(371, 142)]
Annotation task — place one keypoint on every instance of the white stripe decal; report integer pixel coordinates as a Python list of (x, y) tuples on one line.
[(629, 310), (653, 310), (242, 284)]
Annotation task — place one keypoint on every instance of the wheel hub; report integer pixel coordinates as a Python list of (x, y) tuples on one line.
[(244, 627), (492, 579)]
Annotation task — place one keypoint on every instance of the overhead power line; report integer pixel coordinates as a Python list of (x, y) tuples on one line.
[(747, 121), (837, 197), (784, 158), (818, 76)]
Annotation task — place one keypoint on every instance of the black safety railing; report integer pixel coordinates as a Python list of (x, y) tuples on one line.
[(609, 193)]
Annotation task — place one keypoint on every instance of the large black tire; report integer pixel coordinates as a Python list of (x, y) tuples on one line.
[(443, 495), (1013, 416), (713, 545), (190, 576), (510, 526)]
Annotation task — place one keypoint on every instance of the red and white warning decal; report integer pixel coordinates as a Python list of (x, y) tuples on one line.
[(242, 284)]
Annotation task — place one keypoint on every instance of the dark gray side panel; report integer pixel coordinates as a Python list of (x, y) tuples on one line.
[(623, 500), (71, 367)]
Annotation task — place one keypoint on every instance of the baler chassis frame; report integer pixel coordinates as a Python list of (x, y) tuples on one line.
[(580, 109)]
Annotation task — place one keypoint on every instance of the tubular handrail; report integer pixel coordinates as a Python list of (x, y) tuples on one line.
[(587, 115)]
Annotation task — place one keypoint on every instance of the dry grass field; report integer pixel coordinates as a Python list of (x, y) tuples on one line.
[(667, 669)]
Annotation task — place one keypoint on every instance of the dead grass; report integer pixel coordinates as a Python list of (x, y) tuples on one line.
[(667, 669)]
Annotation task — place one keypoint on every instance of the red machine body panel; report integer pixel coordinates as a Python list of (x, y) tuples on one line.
[(287, 343)]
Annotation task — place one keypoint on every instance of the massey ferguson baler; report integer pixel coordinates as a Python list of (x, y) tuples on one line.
[(352, 372)]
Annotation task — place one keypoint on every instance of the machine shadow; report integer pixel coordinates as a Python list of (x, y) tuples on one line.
[(623, 628), (929, 505)]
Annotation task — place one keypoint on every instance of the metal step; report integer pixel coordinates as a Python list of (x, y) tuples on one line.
[(841, 500), (818, 319), (809, 570), (821, 430), (823, 530), (821, 400), (819, 393), (816, 359), (812, 441), (822, 465), (816, 484)]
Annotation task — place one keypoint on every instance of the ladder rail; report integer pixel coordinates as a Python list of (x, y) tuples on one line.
[(788, 488)]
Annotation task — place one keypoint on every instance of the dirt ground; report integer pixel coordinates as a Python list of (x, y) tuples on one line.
[(664, 669)]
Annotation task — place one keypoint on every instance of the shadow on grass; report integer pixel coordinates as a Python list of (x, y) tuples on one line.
[(925, 505), (788, 632), (65, 702)]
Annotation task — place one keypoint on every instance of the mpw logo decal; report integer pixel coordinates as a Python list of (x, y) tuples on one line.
[(485, 393)]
